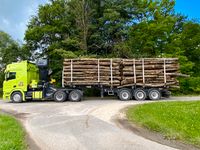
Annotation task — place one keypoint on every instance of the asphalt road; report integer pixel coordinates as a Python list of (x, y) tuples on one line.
[(85, 125)]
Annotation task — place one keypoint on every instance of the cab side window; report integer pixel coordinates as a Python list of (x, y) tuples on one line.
[(11, 76)]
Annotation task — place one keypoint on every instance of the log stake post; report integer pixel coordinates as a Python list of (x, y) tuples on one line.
[(111, 73), (71, 71), (134, 72), (143, 77), (63, 84), (165, 79), (98, 71)]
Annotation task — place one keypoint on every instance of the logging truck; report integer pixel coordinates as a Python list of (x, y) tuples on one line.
[(127, 79)]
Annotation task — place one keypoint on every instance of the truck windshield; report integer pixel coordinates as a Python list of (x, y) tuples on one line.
[(10, 75)]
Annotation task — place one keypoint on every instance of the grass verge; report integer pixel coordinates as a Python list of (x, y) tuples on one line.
[(174, 120), (12, 135)]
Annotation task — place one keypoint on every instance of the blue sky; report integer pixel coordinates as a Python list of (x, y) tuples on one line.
[(15, 14), (190, 8)]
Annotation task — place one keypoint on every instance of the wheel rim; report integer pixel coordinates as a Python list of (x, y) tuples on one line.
[(17, 97), (140, 95), (154, 95), (59, 97), (125, 95), (74, 96)]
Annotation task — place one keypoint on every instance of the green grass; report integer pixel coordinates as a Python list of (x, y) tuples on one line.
[(12, 135), (174, 120)]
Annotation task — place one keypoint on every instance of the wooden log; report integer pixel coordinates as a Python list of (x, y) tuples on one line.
[(150, 67), (91, 64), (105, 78), (90, 67), (178, 74)]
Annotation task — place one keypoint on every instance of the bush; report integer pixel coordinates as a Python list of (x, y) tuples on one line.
[(188, 86), (1, 92), (92, 92), (1, 79)]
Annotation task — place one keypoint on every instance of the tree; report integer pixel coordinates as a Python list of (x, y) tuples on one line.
[(110, 25), (10, 51), (154, 29), (81, 12), (191, 44), (92, 26), (51, 29), (51, 32), (157, 32)]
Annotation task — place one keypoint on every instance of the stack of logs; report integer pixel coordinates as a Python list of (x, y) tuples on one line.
[(156, 72), (104, 72), (150, 72)]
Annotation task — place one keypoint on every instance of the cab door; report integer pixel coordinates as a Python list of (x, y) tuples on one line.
[(9, 84)]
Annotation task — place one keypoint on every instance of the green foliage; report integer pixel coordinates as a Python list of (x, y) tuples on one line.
[(189, 85), (9, 50), (191, 44), (12, 135), (63, 53), (1, 78), (1, 92), (123, 50), (157, 33), (56, 63), (91, 26), (174, 120)]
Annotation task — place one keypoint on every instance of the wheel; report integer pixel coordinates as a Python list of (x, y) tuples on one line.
[(154, 94), (125, 94), (16, 97), (140, 94), (75, 96), (60, 96)]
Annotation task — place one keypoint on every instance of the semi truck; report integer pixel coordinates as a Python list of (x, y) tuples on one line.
[(126, 79)]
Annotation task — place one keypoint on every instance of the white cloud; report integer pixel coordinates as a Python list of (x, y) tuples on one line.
[(6, 22)]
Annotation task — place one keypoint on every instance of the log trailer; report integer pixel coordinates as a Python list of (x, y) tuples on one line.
[(127, 79)]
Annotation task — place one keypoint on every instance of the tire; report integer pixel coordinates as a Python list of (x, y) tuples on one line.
[(75, 96), (154, 94), (60, 96), (16, 97), (125, 94), (140, 94)]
